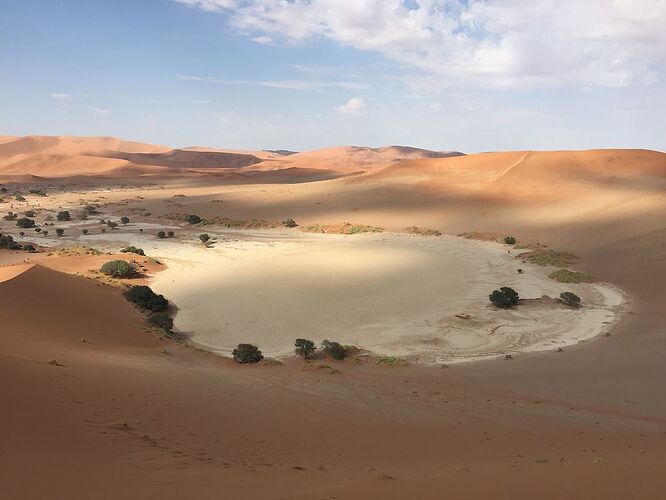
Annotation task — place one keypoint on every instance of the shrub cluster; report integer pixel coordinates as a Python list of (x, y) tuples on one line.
[(10, 216), (193, 219), (162, 320), (144, 297), (304, 347), (510, 240), (133, 249), (247, 353), (570, 299), (64, 215), (289, 223), (24, 222), (505, 297), (334, 349), (119, 269)]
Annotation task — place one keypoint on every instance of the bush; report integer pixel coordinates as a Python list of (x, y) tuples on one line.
[(304, 347), (63, 215), (163, 320), (45, 232), (124, 220), (118, 269), (29, 248), (104, 230), (25, 222), (161, 234), (144, 297), (504, 297), (193, 219), (10, 216), (38, 229), (567, 276), (204, 237), (247, 353), (18, 197), (84, 231), (38, 192), (334, 349), (29, 213), (133, 249), (170, 234), (510, 240), (60, 231), (111, 224), (90, 209), (570, 299), (6, 241), (289, 223)]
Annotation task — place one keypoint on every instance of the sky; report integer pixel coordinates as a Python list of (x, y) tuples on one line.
[(466, 75)]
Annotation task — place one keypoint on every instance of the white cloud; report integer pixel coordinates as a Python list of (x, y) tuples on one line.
[(280, 84), (98, 111), (503, 43), (354, 106), (60, 96)]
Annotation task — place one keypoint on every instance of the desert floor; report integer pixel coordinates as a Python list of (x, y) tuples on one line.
[(95, 404)]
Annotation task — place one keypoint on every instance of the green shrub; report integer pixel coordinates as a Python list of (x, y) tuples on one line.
[(504, 297), (334, 349), (6, 241), (118, 269), (304, 347), (567, 276), (193, 219), (63, 215), (289, 223), (247, 353), (18, 197), (570, 299), (133, 249), (124, 220), (111, 224), (29, 248), (25, 222), (510, 240), (204, 237), (84, 231), (90, 209), (60, 231), (162, 320), (161, 234), (144, 297), (170, 234), (38, 192), (45, 232)]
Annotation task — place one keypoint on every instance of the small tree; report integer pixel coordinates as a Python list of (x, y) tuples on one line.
[(38, 229), (45, 232), (505, 297), (24, 222), (18, 197), (124, 220), (170, 234), (60, 231), (289, 223), (334, 349), (63, 215), (204, 237), (304, 347), (161, 234), (193, 219), (29, 248), (570, 299), (118, 269), (510, 240), (144, 297), (247, 353), (162, 320), (90, 209), (84, 231), (111, 224)]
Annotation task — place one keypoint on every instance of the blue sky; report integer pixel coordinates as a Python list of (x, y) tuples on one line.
[(263, 74)]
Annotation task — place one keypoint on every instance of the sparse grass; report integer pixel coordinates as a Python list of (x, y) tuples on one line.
[(72, 251), (567, 276), (344, 228), (391, 361), (550, 258), (422, 231)]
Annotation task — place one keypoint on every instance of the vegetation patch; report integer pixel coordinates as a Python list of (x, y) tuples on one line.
[(549, 258), (422, 231), (144, 297), (119, 269), (133, 249), (344, 228), (391, 361), (247, 353), (504, 298), (567, 276)]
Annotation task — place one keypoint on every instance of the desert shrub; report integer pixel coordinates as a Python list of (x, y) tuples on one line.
[(111, 224), (144, 297), (38, 192), (118, 269), (63, 215), (161, 234), (570, 299), (247, 353), (90, 209), (45, 232), (304, 347), (10, 216), (6, 241), (504, 297), (289, 223), (104, 230), (124, 220), (18, 197), (193, 219), (38, 229), (133, 249), (510, 240), (29, 248), (204, 237), (84, 231), (60, 231), (392, 361), (550, 258), (170, 234), (25, 222), (567, 276), (334, 349), (162, 320), (29, 213)]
